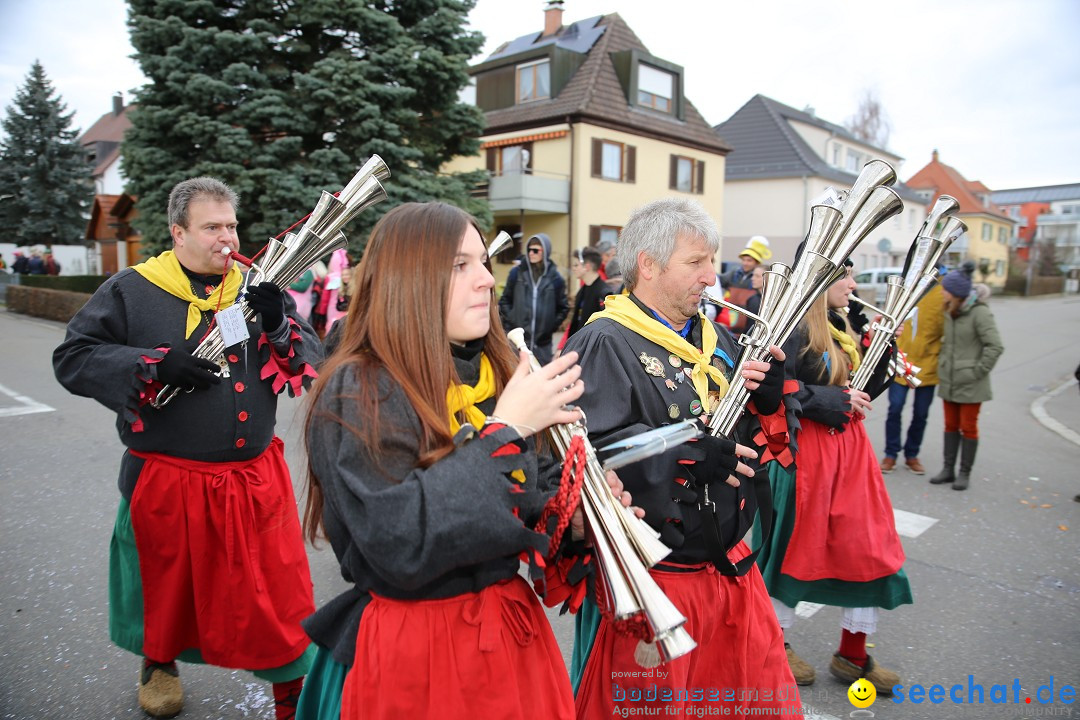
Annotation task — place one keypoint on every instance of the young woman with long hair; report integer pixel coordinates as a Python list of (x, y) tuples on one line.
[(428, 516), (834, 539)]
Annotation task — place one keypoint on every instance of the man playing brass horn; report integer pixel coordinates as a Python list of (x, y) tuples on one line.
[(207, 562), (651, 358)]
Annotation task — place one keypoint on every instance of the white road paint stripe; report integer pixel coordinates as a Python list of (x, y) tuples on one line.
[(912, 525), (28, 405), (807, 609), (1038, 409)]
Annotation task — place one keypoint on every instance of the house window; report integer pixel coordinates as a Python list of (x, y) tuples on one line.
[(987, 232), (687, 175), (656, 88), (836, 155), (600, 233), (510, 159), (999, 267), (533, 81), (852, 161), (613, 161), (1002, 238), (514, 159)]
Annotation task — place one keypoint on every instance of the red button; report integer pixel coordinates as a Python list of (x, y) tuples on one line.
[(243, 416), (234, 358), (239, 387), (241, 442)]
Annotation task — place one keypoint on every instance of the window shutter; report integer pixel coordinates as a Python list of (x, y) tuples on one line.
[(492, 161), (631, 162), (673, 172), (700, 176), (597, 157), (594, 235)]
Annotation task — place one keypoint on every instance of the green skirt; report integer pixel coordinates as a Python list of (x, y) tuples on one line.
[(321, 696), (126, 604), (886, 592)]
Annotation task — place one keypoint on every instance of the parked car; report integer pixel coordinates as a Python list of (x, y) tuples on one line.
[(871, 283)]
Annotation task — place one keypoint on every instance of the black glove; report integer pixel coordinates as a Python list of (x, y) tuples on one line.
[(771, 390), (267, 299), (183, 370), (719, 461)]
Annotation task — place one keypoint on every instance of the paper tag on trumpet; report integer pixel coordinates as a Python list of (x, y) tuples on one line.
[(230, 322)]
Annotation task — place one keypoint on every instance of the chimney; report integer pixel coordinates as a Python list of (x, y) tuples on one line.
[(118, 104), (553, 17), (933, 156)]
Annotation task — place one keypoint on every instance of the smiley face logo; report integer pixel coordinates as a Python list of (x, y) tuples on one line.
[(862, 693)]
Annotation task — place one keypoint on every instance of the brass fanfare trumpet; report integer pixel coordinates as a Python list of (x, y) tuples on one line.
[(625, 546), (937, 233), (838, 223), (288, 259)]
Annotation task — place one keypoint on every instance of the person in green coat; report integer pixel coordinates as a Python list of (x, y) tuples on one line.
[(969, 351)]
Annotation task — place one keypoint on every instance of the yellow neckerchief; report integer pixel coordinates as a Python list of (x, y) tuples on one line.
[(165, 272), (467, 397), (622, 310), (847, 343)]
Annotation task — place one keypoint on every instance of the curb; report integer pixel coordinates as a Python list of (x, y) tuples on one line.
[(1038, 410)]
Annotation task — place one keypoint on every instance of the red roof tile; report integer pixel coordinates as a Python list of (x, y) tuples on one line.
[(946, 180)]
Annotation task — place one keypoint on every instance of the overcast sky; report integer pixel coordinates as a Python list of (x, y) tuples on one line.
[(994, 85)]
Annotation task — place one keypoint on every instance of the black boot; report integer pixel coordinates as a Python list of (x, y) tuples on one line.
[(968, 446), (947, 475)]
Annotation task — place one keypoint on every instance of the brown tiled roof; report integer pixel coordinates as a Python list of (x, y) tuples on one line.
[(109, 127), (595, 95), (946, 180)]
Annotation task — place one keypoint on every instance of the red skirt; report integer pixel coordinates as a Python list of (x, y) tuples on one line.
[(222, 560), (844, 524), (488, 655), (739, 663)]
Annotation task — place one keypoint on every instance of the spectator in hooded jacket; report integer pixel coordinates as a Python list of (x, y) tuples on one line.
[(535, 297), (971, 348)]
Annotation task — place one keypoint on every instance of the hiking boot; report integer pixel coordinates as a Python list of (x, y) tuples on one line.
[(848, 672), (160, 693), (915, 466), (802, 670), (888, 464)]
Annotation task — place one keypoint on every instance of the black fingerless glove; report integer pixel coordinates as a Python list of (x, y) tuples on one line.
[(267, 299), (719, 461), (183, 370), (771, 390)]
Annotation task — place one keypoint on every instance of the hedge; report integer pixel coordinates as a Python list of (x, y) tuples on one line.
[(73, 283), (59, 305)]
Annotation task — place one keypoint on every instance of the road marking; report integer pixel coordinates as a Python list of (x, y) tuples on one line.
[(810, 713), (29, 405), (910, 524), (807, 609), (1038, 409)]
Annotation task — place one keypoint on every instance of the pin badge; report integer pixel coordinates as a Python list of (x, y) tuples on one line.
[(673, 411), (670, 384), (653, 366), (674, 360), (695, 407)]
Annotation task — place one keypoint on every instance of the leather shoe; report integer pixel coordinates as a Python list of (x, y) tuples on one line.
[(848, 672), (915, 466), (888, 464), (802, 671)]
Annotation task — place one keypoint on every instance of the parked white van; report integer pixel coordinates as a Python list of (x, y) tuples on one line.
[(871, 283)]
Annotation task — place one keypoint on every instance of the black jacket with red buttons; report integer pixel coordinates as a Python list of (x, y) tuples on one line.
[(110, 353)]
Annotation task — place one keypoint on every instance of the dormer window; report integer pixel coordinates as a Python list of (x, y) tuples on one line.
[(534, 81), (656, 88)]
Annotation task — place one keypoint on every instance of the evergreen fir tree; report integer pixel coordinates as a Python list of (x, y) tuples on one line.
[(284, 99), (43, 168)]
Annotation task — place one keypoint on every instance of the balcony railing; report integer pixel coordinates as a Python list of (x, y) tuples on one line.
[(537, 192)]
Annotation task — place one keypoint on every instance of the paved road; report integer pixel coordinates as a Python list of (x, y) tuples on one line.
[(995, 570)]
